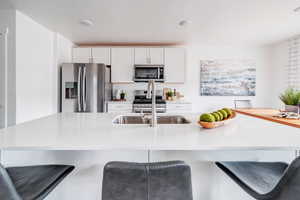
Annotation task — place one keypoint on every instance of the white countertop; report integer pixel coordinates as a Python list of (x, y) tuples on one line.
[(120, 102), (75, 131), (178, 102), (131, 102)]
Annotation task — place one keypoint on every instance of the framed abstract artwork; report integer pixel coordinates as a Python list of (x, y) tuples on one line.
[(227, 78)]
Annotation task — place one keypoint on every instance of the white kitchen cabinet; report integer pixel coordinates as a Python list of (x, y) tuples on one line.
[(174, 65), (141, 56), (101, 55), (123, 59), (91, 55), (156, 56), (122, 64), (149, 56), (179, 107), (82, 55), (114, 107)]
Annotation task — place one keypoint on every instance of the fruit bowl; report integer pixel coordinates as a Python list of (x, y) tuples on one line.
[(216, 124)]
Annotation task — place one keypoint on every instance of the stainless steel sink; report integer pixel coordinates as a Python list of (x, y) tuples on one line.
[(177, 119), (130, 120), (127, 119)]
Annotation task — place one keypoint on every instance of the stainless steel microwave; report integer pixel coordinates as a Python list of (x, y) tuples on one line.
[(144, 73)]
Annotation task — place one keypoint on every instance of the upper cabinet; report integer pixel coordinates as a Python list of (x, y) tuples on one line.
[(82, 55), (91, 55), (149, 56), (123, 59), (157, 56), (101, 55), (141, 56), (174, 65), (122, 63)]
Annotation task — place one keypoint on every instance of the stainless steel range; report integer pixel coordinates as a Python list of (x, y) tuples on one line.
[(143, 105)]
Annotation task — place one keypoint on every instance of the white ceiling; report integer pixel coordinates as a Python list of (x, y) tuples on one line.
[(251, 22)]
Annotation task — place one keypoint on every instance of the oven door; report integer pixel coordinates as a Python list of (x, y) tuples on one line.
[(146, 73), (147, 108)]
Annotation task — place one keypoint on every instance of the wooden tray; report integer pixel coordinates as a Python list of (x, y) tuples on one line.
[(268, 114), (210, 125)]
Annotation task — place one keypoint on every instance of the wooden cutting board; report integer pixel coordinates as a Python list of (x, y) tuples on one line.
[(268, 114)]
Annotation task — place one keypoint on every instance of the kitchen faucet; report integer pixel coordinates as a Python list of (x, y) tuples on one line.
[(151, 88)]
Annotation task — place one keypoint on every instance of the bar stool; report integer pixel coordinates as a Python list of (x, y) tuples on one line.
[(31, 182), (147, 181), (266, 181)]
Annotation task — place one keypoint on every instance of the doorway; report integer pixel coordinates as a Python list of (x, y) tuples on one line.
[(3, 78)]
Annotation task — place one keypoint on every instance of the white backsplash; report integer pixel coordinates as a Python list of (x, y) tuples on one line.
[(130, 88)]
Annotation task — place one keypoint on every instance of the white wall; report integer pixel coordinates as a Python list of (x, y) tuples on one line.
[(195, 53), (62, 54), (279, 61), (39, 52), (2, 78), (34, 69), (191, 88), (7, 20)]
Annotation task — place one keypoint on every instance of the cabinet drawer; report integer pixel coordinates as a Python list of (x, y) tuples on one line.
[(119, 108), (183, 108)]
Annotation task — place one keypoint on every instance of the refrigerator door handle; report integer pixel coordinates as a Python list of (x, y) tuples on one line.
[(84, 89), (79, 89)]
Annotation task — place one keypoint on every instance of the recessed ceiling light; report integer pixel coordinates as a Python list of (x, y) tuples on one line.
[(297, 9), (184, 23), (86, 22)]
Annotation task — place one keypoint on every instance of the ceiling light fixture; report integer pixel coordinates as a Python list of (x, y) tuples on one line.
[(86, 22), (297, 9), (184, 23)]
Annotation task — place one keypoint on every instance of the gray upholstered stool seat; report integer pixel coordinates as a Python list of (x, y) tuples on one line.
[(31, 182), (147, 181), (266, 181)]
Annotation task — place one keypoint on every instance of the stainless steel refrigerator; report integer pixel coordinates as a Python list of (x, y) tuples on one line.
[(85, 87)]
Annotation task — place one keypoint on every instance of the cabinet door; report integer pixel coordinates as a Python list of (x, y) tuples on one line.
[(179, 108), (101, 55), (122, 63), (141, 56), (157, 55), (175, 65), (82, 55), (119, 108)]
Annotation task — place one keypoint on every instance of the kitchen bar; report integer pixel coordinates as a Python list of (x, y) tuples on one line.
[(95, 131)]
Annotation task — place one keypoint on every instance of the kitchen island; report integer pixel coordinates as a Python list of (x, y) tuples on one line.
[(87, 131), (89, 141)]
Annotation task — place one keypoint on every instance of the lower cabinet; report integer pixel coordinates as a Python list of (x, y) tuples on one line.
[(127, 107), (179, 107), (119, 107)]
